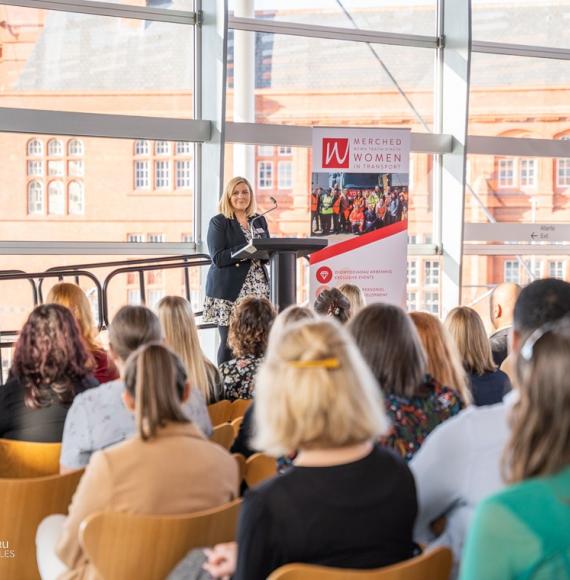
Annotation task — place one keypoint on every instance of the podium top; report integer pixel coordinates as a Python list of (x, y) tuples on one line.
[(264, 248)]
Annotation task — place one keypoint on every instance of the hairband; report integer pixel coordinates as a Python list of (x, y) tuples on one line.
[(527, 350), (323, 363)]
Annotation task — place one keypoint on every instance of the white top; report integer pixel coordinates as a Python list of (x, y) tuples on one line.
[(458, 465)]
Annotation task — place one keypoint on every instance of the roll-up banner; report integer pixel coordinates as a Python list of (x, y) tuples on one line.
[(359, 202)]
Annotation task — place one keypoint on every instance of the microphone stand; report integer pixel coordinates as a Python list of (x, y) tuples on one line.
[(250, 248)]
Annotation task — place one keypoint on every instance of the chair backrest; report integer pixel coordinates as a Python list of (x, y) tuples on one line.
[(258, 468), (239, 407), (223, 435), (219, 412), (240, 459), (28, 459), (432, 565), (236, 425), (24, 503), (121, 546)]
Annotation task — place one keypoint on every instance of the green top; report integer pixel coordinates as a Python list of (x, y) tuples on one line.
[(522, 532)]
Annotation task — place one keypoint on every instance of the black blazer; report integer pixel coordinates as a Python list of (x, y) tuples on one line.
[(226, 275)]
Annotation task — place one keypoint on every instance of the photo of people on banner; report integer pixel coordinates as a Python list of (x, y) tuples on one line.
[(357, 203)]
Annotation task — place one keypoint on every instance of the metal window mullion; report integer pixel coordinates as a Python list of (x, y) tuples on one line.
[(507, 49), (517, 146)]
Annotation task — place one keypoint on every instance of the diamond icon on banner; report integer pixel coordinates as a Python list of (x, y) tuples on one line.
[(324, 275)]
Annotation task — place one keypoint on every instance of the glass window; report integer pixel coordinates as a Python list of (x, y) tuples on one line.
[(35, 148), (184, 174), (528, 173), (35, 168), (285, 176), (285, 151), (412, 303), (75, 168), (56, 198), (76, 198), (135, 238), (156, 238), (162, 174), (142, 174), (134, 297), (186, 238), (556, 269), (431, 272), (412, 272), (512, 271), (265, 175), (431, 302), (56, 168), (506, 173), (35, 197), (154, 296), (184, 148), (142, 147), (265, 150), (55, 148), (563, 168), (162, 148), (75, 148)]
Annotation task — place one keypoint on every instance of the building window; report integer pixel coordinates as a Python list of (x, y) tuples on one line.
[(512, 272), (431, 273), (506, 172), (535, 268), (556, 269), (431, 302), (75, 168), (142, 174), (56, 168), (134, 297), (186, 238), (184, 148), (412, 273), (76, 198), (528, 172), (35, 148), (35, 168), (135, 238), (162, 174), (184, 174), (162, 148), (412, 301), (55, 148), (563, 173), (285, 151), (141, 147), (428, 239), (75, 148), (56, 198), (412, 239), (265, 150), (154, 296), (35, 197), (265, 175), (156, 238), (285, 175)]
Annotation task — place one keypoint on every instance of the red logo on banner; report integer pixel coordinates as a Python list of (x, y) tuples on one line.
[(324, 275), (336, 153)]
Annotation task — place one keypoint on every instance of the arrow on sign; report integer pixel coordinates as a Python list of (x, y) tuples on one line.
[(533, 236)]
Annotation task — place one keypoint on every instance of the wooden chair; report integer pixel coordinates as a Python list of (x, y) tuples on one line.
[(236, 425), (223, 435), (258, 468), (122, 546), (24, 503), (240, 459), (239, 407), (432, 565), (20, 459), (219, 412)]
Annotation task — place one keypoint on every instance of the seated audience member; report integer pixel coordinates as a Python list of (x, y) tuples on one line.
[(443, 360), (167, 468), (524, 530), (459, 463), (503, 299), (71, 296), (332, 302), (181, 335), (284, 320), (488, 384), (248, 334), (416, 403), (345, 502), (51, 366), (98, 419), (355, 297)]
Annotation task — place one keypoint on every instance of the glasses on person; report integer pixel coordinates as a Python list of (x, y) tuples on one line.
[(527, 350)]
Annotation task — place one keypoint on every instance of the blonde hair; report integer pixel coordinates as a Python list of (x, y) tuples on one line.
[(443, 360), (290, 315), (305, 401), (355, 296), (225, 204), (72, 296), (540, 422), (468, 332), (181, 335), (156, 379)]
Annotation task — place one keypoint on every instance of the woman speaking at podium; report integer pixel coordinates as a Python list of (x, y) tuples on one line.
[(230, 280)]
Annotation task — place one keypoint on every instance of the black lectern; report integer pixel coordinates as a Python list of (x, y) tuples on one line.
[(282, 254)]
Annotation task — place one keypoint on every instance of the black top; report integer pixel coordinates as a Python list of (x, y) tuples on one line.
[(499, 345), (241, 443), (356, 515), (42, 425), (226, 274), (489, 388)]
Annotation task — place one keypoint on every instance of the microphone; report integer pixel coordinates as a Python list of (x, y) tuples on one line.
[(274, 201)]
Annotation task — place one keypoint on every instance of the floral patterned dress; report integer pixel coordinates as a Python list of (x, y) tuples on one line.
[(414, 419), (219, 310), (238, 375)]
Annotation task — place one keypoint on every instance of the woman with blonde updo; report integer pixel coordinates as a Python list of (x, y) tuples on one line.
[(355, 296), (349, 503), (332, 302)]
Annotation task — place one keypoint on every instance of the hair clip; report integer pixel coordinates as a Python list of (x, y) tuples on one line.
[(527, 350), (323, 363)]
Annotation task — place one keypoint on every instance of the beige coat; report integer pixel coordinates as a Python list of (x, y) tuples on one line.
[(179, 472)]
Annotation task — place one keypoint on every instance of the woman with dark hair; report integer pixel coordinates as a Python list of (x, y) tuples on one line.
[(51, 365), (248, 336), (415, 402), (332, 302)]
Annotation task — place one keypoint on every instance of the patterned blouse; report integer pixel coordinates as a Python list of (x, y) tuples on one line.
[(219, 310), (238, 376), (414, 419)]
